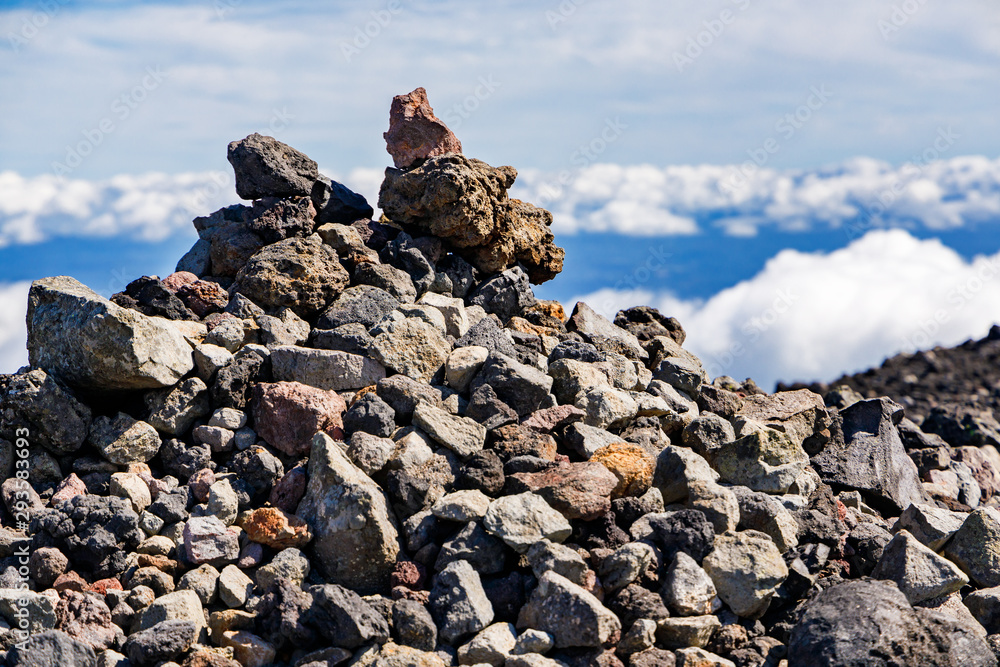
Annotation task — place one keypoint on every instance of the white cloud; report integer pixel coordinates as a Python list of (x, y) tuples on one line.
[(857, 195), (147, 207), (13, 332), (816, 316)]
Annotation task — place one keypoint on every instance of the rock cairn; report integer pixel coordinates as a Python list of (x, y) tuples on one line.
[(332, 440)]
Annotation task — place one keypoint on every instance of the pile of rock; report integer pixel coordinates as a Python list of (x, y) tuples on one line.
[(329, 440)]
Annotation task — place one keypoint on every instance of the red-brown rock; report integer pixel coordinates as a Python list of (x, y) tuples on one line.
[(203, 297), (415, 133), (553, 418), (288, 414), (289, 490), (68, 488), (276, 528), (179, 279), (578, 490)]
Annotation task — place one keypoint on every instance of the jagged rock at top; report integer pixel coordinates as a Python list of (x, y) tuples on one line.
[(870, 457), (302, 274), (464, 201), (265, 167), (89, 342), (415, 133)]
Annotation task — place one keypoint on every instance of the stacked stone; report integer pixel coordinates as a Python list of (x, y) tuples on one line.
[(329, 440)]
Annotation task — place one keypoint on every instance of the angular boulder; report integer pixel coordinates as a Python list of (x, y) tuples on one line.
[(415, 133), (91, 343), (356, 542), (265, 167)]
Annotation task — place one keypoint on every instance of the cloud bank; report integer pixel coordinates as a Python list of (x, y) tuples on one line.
[(857, 196), (741, 200), (815, 316)]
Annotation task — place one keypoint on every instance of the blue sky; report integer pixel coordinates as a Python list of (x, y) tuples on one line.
[(742, 140)]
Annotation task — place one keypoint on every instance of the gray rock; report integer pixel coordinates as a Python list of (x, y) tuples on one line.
[(338, 204), (163, 641), (489, 333), (765, 460), (324, 369), (569, 613), (218, 439), (746, 568), (462, 366), (286, 329), (707, 433), (203, 580), (124, 440), (369, 452), (179, 605), (463, 436), (362, 304), (458, 602), (198, 259), (857, 623), (676, 468), (413, 625), (355, 538), (523, 388), (985, 607), (41, 609), (289, 563), (484, 552), (687, 631), (598, 330), (411, 347), (385, 276), (50, 648), (871, 458), (89, 342), (687, 588), (54, 418), (607, 407), (625, 565), (489, 647), (265, 167), (352, 338), (462, 506), (403, 393), (345, 619), (764, 513), (370, 414), (175, 410), (586, 440), (975, 547), (545, 556), (919, 572), (523, 519), (209, 359), (504, 295)]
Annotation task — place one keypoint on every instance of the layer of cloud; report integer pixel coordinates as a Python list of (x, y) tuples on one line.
[(858, 195), (816, 316), (13, 332), (147, 207)]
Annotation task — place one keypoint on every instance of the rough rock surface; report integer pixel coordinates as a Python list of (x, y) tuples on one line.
[(415, 133)]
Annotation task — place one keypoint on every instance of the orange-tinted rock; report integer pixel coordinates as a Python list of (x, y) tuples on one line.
[(519, 440), (102, 586), (415, 133), (630, 463), (276, 528), (288, 414)]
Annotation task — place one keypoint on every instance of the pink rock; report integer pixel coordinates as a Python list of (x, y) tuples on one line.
[(410, 574), (70, 487), (550, 419), (251, 555), (208, 540), (179, 279), (203, 297), (288, 414), (415, 132), (200, 482), (984, 462), (578, 490)]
